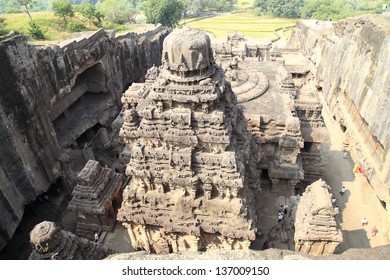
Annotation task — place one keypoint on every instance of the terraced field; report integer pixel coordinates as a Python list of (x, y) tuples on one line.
[(259, 27)]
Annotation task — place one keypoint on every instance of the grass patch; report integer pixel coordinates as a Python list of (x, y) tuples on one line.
[(52, 26), (253, 26)]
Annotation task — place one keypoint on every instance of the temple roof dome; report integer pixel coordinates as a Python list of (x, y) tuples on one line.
[(187, 50), (46, 237)]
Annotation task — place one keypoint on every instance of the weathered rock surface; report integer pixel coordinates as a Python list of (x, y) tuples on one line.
[(39, 87), (51, 243), (351, 57), (316, 229), (350, 60)]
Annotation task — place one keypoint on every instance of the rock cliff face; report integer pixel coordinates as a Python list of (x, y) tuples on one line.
[(350, 57), (350, 60), (46, 97)]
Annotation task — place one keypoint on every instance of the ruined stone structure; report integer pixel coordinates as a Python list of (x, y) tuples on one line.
[(56, 106), (190, 152), (349, 64), (192, 162), (284, 119), (316, 229), (237, 45), (96, 198), (51, 243)]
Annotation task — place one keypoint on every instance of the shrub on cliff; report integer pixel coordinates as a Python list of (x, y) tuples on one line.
[(35, 31), (2, 26), (75, 26)]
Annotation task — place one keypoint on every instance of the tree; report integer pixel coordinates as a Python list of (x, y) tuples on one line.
[(35, 31), (281, 8), (2, 26), (166, 12), (322, 9), (63, 8), (117, 11), (89, 12), (25, 5), (194, 7), (222, 5), (262, 4)]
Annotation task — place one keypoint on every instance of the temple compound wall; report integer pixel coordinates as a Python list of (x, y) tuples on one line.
[(54, 100), (190, 155), (349, 62)]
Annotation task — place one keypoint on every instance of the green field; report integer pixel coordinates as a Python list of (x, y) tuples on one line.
[(241, 20), (258, 27), (52, 26)]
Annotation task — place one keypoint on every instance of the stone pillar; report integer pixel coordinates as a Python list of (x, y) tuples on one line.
[(103, 135), (88, 153)]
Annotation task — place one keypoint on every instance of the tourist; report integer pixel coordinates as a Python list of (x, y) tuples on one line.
[(96, 238), (333, 200), (342, 191), (281, 208), (265, 245), (374, 231), (364, 222), (337, 209), (345, 154), (280, 217)]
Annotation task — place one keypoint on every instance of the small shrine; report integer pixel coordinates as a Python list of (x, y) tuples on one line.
[(316, 229), (96, 198), (51, 243)]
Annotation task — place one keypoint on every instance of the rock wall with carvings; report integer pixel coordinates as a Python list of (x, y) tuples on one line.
[(349, 61), (189, 152)]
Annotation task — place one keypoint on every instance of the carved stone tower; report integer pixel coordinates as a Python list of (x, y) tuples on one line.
[(189, 148), (317, 231)]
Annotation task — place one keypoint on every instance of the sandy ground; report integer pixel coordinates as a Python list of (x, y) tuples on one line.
[(358, 202)]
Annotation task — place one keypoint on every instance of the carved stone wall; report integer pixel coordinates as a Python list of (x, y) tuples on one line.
[(316, 230), (189, 150), (50, 96)]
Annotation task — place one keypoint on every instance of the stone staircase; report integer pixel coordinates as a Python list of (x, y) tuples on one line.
[(364, 188), (104, 159), (256, 86)]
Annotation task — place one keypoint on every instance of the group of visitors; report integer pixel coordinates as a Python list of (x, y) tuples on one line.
[(282, 210), (374, 230)]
